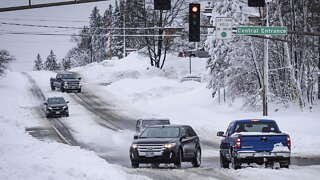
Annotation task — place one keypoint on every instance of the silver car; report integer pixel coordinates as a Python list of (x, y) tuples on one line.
[(143, 123)]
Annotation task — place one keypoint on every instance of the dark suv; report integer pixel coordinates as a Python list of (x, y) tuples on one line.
[(166, 144), (56, 106)]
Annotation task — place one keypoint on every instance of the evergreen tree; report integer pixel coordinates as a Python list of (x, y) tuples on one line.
[(5, 59), (38, 65), (51, 63), (65, 64), (117, 22), (96, 25)]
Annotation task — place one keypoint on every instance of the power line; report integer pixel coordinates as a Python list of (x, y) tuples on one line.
[(44, 20), (70, 27), (16, 8)]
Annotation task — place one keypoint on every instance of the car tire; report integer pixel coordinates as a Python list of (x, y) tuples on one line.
[(197, 158), (223, 162), (155, 165), (269, 164), (236, 163), (134, 165), (52, 87), (62, 89), (178, 161), (79, 90), (47, 115), (284, 165), (67, 114)]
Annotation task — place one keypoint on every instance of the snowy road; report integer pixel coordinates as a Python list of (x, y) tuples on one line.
[(106, 116)]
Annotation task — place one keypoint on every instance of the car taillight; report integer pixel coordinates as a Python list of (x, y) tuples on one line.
[(238, 143), (289, 142)]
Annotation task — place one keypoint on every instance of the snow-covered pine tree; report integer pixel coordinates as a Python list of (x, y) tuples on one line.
[(117, 22), (65, 64), (98, 48), (235, 64), (51, 63), (5, 59), (38, 64), (106, 32)]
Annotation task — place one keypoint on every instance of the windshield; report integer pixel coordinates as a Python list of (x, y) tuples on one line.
[(68, 76), (160, 132), (56, 101), (256, 127), (146, 123)]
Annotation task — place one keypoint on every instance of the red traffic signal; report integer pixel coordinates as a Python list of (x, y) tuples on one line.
[(194, 22)]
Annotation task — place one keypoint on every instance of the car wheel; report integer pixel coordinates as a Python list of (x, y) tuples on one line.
[(52, 87), (178, 159), (79, 90), (155, 165), (62, 90), (236, 163), (197, 159), (67, 114), (269, 164), (134, 165), (223, 162), (47, 115), (284, 164)]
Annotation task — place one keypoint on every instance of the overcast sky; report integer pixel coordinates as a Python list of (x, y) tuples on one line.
[(26, 47)]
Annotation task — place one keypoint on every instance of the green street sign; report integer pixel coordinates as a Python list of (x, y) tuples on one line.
[(261, 30)]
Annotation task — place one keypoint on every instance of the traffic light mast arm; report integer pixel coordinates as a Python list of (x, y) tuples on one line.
[(16, 8)]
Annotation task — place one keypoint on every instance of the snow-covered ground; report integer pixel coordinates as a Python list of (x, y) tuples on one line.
[(24, 157), (143, 91)]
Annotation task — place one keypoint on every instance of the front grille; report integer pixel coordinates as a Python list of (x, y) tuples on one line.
[(57, 108), (156, 149), (73, 83)]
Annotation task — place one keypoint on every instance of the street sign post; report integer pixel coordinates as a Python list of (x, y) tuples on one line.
[(223, 28), (261, 30)]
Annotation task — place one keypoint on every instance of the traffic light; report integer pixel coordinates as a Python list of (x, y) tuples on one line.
[(194, 22), (256, 3), (162, 4)]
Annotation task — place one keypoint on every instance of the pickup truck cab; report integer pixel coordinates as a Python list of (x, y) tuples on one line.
[(66, 81), (254, 141)]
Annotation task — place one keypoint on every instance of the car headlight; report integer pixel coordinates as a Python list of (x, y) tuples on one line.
[(134, 146), (170, 145), (50, 108), (65, 83), (65, 107)]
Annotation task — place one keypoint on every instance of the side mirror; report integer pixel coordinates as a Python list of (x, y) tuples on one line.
[(45, 103), (220, 133), (135, 136), (183, 137), (67, 101), (79, 78)]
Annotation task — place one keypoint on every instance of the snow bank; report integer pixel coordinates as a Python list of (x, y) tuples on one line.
[(156, 92), (24, 157)]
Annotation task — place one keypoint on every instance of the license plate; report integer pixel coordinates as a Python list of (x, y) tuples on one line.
[(58, 112), (149, 154)]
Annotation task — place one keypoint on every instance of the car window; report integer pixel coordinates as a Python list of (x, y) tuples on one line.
[(191, 132), (68, 76), (56, 101), (256, 127), (146, 123), (160, 132)]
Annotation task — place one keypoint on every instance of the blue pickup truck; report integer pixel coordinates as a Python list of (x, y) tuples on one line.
[(254, 141)]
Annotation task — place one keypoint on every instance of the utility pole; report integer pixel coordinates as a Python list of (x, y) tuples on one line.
[(157, 64), (124, 29), (265, 64)]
